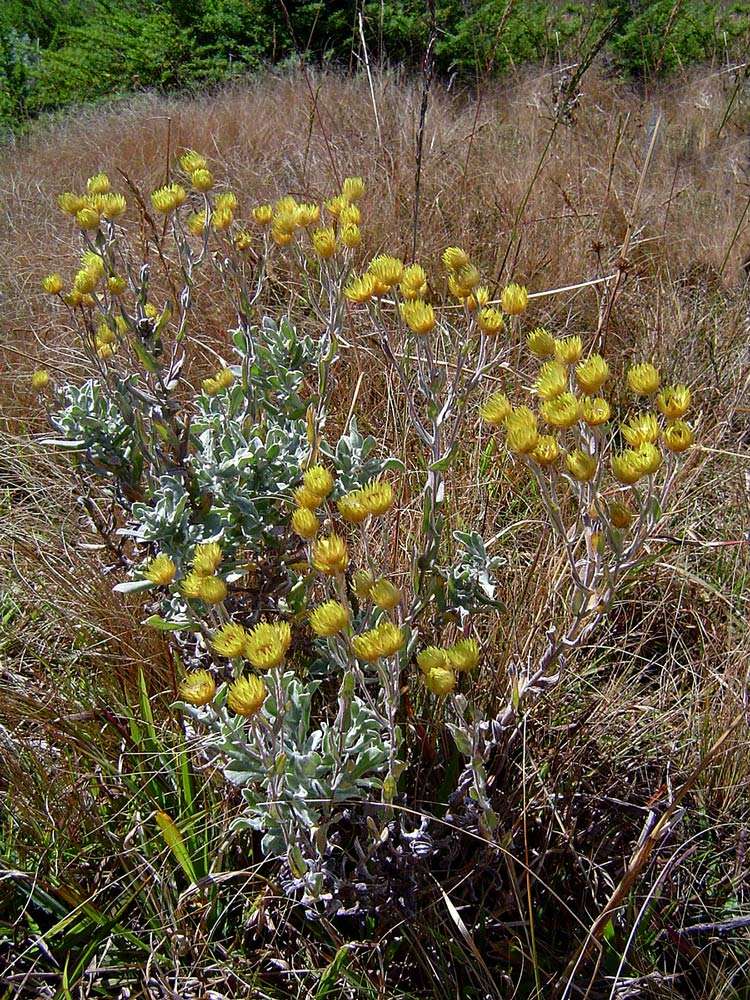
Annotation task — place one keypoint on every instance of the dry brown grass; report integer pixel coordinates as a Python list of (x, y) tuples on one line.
[(673, 670)]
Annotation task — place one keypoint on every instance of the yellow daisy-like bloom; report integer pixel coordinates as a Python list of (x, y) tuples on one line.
[(385, 594), (166, 199), (329, 619), (581, 465), (84, 282), (305, 497), (378, 497), (592, 373), (352, 507), (305, 523), (213, 589), (496, 409), (552, 380), (324, 242), (210, 386), (306, 214), (203, 179), (547, 450), (463, 656), (222, 219), (362, 584), (117, 285), (318, 480), (40, 380), (628, 467), (432, 658), (419, 316), (454, 258), (196, 223), (360, 289), (226, 201), (650, 456), (353, 188), (351, 236), (390, 637), (267, 644), (88, 218), (490, 321), (386, 269), (105, 334), (568, 350), (98, 184), (644, 427), (111, 206), (595, 410), (207, 558), (478, 298), (282, 229), (224, 377), (385, 639), (334, 205), (522, 434), (52, 284), (674, 401), (562, 411), (330, 555), (243, 240), (198, 688), (93, 263), (262, 214), (620, 515), (678, 436), (462, 283), (349, 215), (514, 299), (70, 203), (541, 343), (190, 161), (230, 640), (246, 696), (644, 379), (366, 646), (413, 282), (440, 681), (191, 586), (73, 299)]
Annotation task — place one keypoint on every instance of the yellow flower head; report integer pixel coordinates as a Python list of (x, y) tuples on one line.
[(547, 450), (93, 263), (263, 214), (562, 411), (328, 619), (352, 507), (643, 379), (226, 202), (196, 223), (87, 218), (351, 236), (110, 206), (104, 351), (464, 655), (243, 240), (267, 644), (207, 558), (644, 427), (378, 497), (203, 179), (39, 380), (190, 161), (620, 514), (166, 199), (222, 219), (324, 242), (353, 188), (361, 289), (308, 498), (581, 465), (541, 343), (478, 298), (490, 321), (305, 523), (592, 373), (432, 658), (318, 480), (213, 589), (362, 584), (419, 316), (440, 681), (330, 555), (349, 215), (552, 380), (98, 184), (455, 259), (496, 409), (514, 299), (522, 434), (84, 282), (385, 594), (462, 283), (386, 269), (230, 640), (160, 570), (413, 282), (674, 401), (334, 205), (385, 639), (246, 695), (678, 436), (568, 350), (628, 467), (52, 284), (70, 203), (116, 284), (595, 410), (650, 457), (198, 688)]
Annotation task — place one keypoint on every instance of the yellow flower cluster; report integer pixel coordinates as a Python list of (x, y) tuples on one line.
[(329, 619), (246, 696), (160, 570), (439, 665), (223, 378), (168, 198), (265, 645), (98, 203), (201, 582), (374, 499), (386, 639), (198, 688), (317, 483)]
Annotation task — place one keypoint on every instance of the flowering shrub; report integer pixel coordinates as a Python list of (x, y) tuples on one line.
[(254, 535)]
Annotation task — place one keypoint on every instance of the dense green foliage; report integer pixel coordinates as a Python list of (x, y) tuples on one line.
[(57, 52)]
